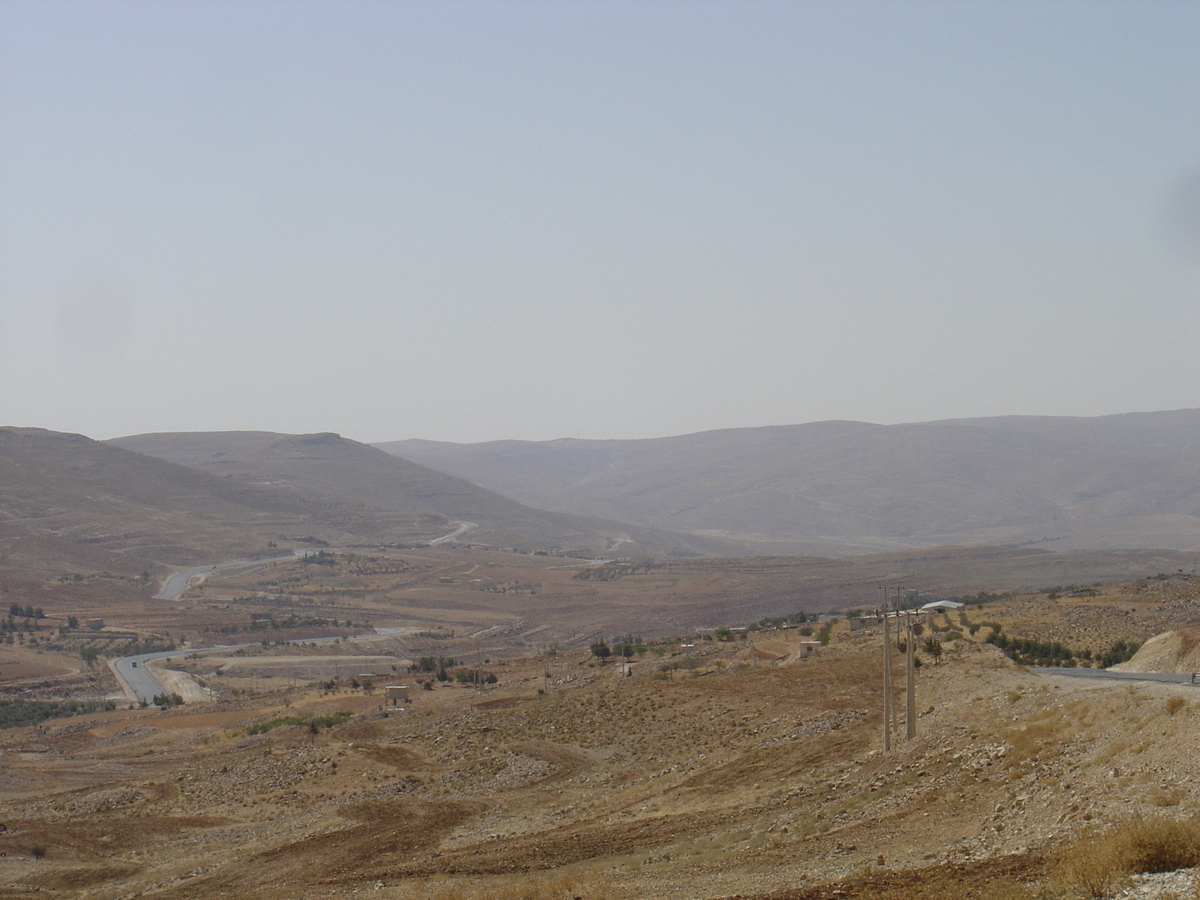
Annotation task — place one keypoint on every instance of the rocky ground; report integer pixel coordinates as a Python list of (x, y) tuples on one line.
[(712, 771)]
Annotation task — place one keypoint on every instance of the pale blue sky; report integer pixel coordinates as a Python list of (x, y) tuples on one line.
[(469, 221)]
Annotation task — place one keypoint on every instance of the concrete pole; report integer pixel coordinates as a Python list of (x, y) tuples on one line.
[(910, 689), (887, 677)]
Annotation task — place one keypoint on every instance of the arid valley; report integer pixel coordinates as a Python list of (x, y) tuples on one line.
[(478, 700), (654, 450)]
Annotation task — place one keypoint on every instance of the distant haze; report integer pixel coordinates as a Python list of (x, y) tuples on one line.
[(1113, 482), (469, 221)]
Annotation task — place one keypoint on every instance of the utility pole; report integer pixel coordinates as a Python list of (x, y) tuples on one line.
[(887, 677), (910, 688), (891, 605)]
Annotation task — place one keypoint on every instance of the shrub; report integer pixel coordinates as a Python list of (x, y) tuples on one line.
[(312, 722), (1174, 705), (1132, 846)]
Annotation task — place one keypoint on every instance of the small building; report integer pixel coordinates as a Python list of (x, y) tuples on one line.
[(396, 694), (94, 624), (940, 606), (857, 622), (807, 649)]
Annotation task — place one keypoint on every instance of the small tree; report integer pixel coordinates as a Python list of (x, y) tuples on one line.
[(601, 650), (933, 647)]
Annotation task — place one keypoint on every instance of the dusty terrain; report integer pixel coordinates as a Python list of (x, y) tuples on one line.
[(514, 601), (713, 770)]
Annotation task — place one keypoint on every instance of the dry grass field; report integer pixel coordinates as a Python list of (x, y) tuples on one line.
[(713, 769)]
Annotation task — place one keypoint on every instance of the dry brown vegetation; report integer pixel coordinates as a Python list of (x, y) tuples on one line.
[(713, 771), (720, 769)]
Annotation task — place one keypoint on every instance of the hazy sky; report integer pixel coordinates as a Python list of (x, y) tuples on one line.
[(476, 220)]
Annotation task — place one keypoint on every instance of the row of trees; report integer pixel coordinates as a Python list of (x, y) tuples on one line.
[(1031, 652), (625, 646), (18, 712)]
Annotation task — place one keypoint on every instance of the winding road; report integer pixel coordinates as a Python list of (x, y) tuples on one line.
[(139, 682), (463, 528), (178, 582)]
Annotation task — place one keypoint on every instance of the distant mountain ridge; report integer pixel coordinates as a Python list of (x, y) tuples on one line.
[(339, 469), (1123, 481), (68, 502)]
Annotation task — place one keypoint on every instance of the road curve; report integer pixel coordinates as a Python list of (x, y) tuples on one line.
[(463, 528), (178, 582), (139, 683)]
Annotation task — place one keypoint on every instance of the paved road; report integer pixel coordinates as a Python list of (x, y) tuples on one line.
[(140, 684), (137, 680), (178, 582), (1114, 676), (463, 528)]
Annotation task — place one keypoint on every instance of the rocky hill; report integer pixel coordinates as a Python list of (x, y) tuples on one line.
[(1127, 481), (69, 503), (342, 470)]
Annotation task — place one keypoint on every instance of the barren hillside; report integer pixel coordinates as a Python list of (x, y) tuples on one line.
[(714, 770), (345, 470), (71, 504), (825, 488)]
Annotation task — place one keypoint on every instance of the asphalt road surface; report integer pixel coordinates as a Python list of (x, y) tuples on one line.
[(137, 680), (1114, 676), (463, 528), (178, 582), (140, 684)]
